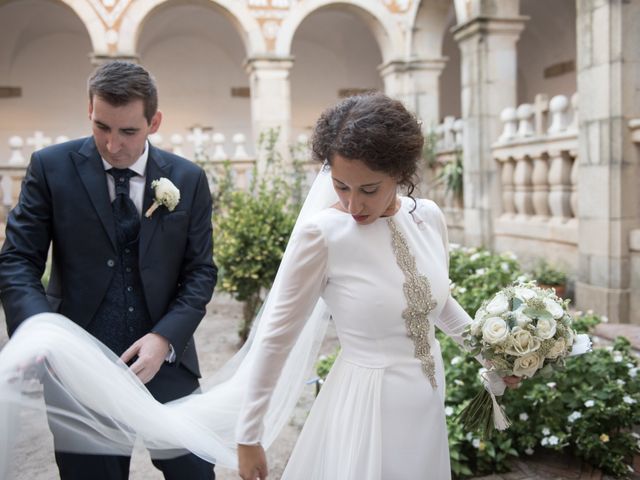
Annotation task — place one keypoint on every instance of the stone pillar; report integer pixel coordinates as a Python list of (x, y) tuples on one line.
[(271, 98), (608, 190), (416, 83), (489, 61)]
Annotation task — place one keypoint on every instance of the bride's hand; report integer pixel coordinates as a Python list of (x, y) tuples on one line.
[(252, 462)]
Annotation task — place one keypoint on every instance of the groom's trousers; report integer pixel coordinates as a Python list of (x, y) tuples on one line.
[(170, 383)]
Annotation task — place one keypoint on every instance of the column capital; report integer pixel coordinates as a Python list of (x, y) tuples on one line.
[(268, 62), (484, 25), (414, 64), (98, 59)]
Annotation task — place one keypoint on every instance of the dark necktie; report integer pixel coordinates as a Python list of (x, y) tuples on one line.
[(124, 210)]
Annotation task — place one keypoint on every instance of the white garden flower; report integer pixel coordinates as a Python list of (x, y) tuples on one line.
[(553, 440), (498, 304), (633, 372), (554, 308), (481, 271), (456, 360), (462, 290), (505, 267), (474, 257), (617, 357), (629, 400), (589, 403), (494, 330), (544, 441), (621, 382), (521, 319), (476, 443), (551, 384), (448, 411), (546, 431), (522, 342), (529, 451), (546, 328), (574, 416), (527, 365), (524, 417)]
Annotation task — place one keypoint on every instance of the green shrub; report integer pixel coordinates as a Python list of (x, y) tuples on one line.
[(546, 274), (252, 228), (477, 274)]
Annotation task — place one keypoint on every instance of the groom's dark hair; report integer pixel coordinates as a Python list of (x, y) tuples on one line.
[(119, 82)]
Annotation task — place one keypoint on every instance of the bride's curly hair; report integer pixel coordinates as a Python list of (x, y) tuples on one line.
[(372, 128)]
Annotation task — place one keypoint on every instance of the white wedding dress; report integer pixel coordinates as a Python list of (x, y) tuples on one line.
[(380, 413)]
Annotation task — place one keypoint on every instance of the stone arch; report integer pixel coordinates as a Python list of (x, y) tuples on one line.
[(88, 17), (235, 11), (429, 27), (374, 14)]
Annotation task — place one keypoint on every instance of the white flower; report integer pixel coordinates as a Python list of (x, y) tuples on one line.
[(604, 319), (546, 431), (462, 290), (524, 417), (469, 436), (621, 382), (458, 382), (456, 360), (522, 342), (553, 440), (589, 403), (474, 257), (617, 357), (527, 365), (505, 267), (480, 271), (448, 411), (476, 327), (476, 443), (633, 372), (554, 308), (557, 348), (529, 451), (544, 442), (551, 384), (498, 304), (546, 328), (627, 399), (166, 193), (574, 416), (494, 330), (524, 293)]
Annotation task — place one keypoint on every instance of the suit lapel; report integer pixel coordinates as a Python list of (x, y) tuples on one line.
[(91, 171), (156, 168)]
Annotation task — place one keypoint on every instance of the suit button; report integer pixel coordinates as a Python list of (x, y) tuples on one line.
[(126, 250), (128, 269), (131, 309), (129, 289), (110, 263)]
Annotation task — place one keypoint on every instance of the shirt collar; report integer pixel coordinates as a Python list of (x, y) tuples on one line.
[(140, 165)]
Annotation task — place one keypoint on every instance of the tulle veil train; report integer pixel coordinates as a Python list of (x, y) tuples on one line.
[(98, 406)]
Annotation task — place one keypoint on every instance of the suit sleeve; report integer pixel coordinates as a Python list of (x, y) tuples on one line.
[(198, 275), (24, 254)]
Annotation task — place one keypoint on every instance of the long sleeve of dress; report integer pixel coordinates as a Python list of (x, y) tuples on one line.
[(452, 319), (300, 280)]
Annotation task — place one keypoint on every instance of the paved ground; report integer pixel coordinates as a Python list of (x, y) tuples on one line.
[(217, 341)]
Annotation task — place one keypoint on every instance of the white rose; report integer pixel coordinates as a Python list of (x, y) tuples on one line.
[(527, 365), (522, 342), (494, 330), (557, 349), (480, 314), (554, 308), (499, 304), (546, 328), (524, 293)]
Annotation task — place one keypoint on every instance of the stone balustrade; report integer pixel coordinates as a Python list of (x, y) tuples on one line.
[(537, 155)]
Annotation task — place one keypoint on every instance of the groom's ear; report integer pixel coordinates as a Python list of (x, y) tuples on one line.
[(90, 108), (156, 120)]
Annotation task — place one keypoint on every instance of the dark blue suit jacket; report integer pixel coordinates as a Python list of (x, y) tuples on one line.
[(65, 202)]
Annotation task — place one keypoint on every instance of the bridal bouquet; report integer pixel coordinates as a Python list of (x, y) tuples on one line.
[(524, 330)]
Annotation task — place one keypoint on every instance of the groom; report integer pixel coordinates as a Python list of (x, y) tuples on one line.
[(138, 284)]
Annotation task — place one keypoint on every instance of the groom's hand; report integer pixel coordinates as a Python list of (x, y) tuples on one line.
[(151, 350)]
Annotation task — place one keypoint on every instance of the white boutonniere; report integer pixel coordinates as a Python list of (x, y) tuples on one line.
[(166, 193)]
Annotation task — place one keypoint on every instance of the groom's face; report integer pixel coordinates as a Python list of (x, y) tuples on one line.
[(120, 132)]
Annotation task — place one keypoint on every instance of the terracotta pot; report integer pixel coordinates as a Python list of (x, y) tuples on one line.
[(559, 289)]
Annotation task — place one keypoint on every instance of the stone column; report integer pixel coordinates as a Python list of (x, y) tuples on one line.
[(416, 83), (488, 57), (608, 190), (271, 97)]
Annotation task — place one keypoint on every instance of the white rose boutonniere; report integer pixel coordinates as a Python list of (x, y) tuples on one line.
[(166, 193)]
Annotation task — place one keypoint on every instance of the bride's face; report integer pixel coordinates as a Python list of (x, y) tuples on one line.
[(364, 193)]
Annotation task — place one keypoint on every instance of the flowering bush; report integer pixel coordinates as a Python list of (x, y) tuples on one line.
[(477, 274)]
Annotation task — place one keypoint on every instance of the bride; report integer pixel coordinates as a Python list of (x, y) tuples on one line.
[(376, 262)]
